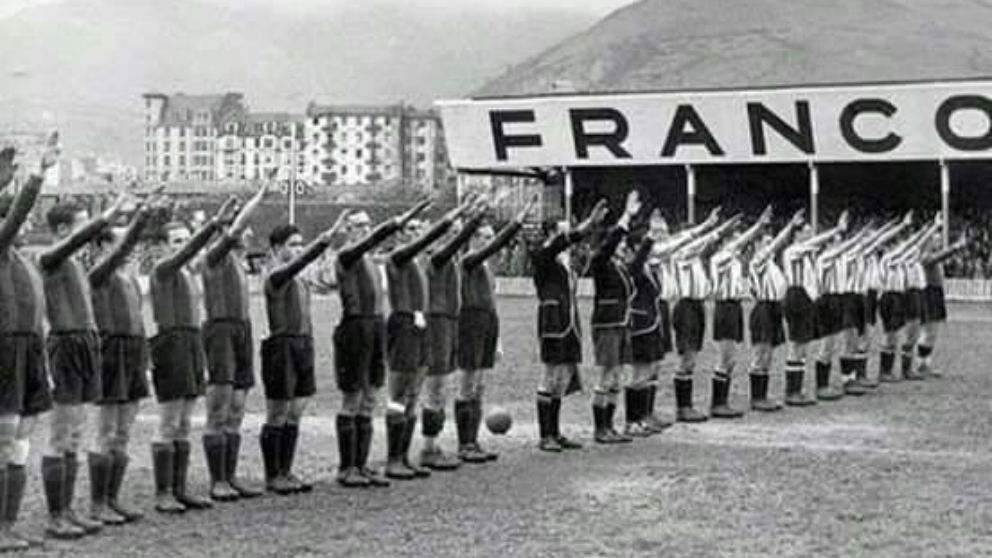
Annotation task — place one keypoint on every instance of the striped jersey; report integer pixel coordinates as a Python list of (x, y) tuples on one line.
[(873, 276), (668, 280), (829, 273), (768, 281), (692, 280), (801, 270), (730, 281)]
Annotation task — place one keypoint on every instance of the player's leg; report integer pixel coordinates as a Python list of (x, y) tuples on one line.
[(347, 430), (270, 442), (100, 464), (56, 476), (183, 450), (722, 377), (164, 456), (11, 485), (759, 379), (636, 399), (889, 309), (402, 402), (364, 433), (119, 459), (219, 397), (690, 325), (547, 392), (232, 444), (912, 337), (465, 417), (290, 441), (16, 473), (931, 334), (432, 424)]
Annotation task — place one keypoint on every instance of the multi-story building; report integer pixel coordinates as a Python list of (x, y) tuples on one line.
[(354, 144), (216, 138), (181, 133), (261, 143)]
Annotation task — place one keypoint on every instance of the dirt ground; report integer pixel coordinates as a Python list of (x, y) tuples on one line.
[(905, 472)]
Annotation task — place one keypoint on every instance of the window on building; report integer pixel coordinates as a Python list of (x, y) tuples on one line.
[(182, 160), (268, 143), (358, 153), (166, 161)]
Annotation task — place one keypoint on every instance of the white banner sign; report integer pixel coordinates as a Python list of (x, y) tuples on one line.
[(922, 121)]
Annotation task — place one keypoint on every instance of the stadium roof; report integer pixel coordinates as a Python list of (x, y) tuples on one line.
[(719, 44)]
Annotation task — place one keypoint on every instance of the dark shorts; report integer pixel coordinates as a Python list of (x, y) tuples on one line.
[(478, 334), (125, 369), (442, 331), (891, 309), (647, 347), (178, 364), (766, 323), (288, 367), (611, 346), (800, 315), (871, 307), (566, 349), (360, 353), (74, 363), (913, 305), (230, 356), (689, 323), (829, 315), (407, 347), (853, 317), (936, 306), (24, 388), (728, 321)]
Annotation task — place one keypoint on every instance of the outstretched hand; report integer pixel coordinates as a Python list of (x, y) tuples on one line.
[(8, 168), (52, 151), (328, 234)]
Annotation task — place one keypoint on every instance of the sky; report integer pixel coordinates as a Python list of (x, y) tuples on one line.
[(599, 7)]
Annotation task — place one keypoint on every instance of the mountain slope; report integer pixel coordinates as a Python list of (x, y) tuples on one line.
[(684, 44)]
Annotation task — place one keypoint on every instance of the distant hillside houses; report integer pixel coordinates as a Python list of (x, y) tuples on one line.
[(216, 138)]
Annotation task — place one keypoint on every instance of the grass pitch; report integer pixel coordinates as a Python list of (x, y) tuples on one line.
[(904, 472)]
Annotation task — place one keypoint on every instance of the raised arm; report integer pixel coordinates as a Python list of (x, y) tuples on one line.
[(19, 211), (448, 251), (284, 273), (941, 256), (195, 244), (745, 238), (351, 253), (844, 246), (700, 244), (887, 234), (232, 235), (63, 249), (474, 259), (410, 250), (780, 241), (102, 271), (913, 250)]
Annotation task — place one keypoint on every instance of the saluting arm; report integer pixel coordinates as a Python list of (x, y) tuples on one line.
[(19, 211), (410, 250), (106, 266), (354, 252), (193, 246), (473, 259), (282, 274), (448, 251)]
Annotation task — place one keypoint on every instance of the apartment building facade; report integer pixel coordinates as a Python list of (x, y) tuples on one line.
[(212, 138)]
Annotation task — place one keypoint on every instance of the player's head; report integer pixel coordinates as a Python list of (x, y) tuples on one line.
[(286, 243), (411, 230), (65, 217), (359, 225), (482, 236), (657, 225), (107, 239), (175, 234)]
